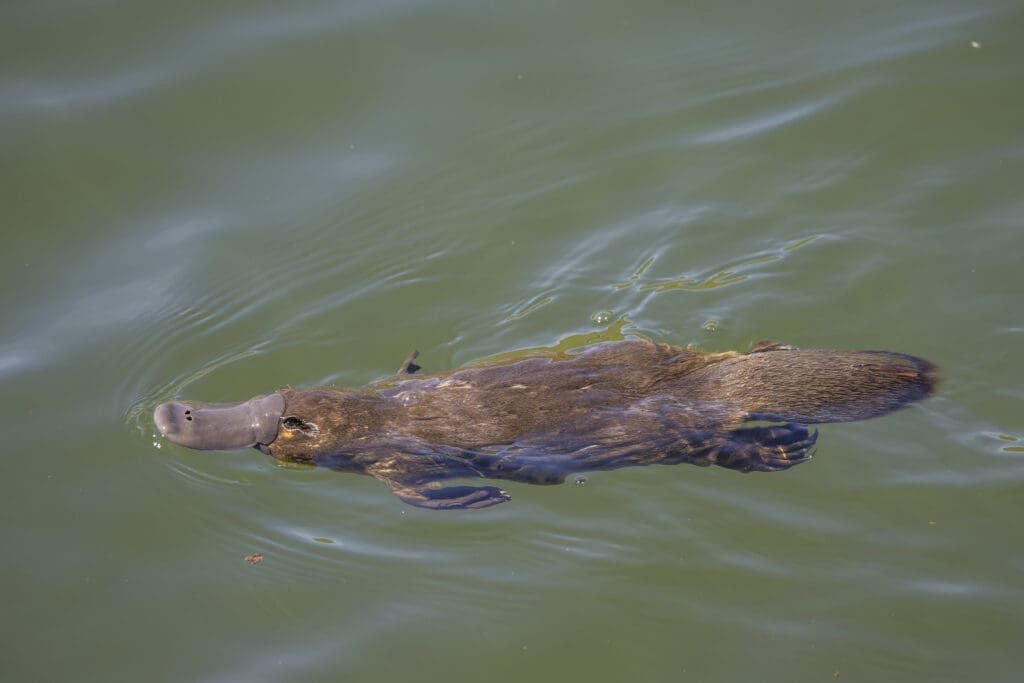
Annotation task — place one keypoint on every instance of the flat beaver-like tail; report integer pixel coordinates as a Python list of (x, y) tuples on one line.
[(813, 386)]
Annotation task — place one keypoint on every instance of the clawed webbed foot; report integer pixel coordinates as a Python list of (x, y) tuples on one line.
[(450, 497), (408, 367), (766, 449)]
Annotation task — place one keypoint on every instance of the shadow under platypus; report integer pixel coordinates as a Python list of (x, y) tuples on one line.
[(541, 418)]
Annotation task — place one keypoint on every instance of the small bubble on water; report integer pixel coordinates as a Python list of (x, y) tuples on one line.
[(602, 317), (711, 326)]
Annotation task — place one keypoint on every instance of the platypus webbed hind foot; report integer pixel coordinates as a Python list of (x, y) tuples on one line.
[(449, 497), (765, 449)]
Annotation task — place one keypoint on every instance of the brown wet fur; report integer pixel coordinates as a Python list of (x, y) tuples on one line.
[(611, 405)]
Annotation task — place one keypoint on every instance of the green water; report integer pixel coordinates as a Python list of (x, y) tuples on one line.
[(215, 200)]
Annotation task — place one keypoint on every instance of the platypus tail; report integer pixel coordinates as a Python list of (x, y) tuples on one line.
[(774, 382)]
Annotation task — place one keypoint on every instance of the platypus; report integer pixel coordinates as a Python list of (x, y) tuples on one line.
[(551, 414)]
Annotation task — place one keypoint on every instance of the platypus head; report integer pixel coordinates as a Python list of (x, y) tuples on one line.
[(213, 428)]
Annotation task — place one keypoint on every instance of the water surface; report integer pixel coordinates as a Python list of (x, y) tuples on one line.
[(215, 201)]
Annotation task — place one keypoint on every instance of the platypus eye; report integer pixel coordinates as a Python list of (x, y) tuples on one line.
[(297, 424)]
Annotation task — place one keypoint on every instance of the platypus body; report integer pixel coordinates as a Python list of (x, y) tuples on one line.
[(541, 418)]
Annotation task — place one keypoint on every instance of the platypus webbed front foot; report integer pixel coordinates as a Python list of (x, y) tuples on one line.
[(408, 367), (765, 449), (449, 497)]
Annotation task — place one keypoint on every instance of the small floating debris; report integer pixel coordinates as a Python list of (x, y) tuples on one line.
[(254, 558)]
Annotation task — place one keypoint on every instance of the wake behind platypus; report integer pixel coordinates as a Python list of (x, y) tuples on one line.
[(541, 418)]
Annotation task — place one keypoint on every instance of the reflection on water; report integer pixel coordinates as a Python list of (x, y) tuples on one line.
[(220, 201)]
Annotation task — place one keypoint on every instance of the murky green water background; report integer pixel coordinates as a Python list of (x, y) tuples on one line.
[(214, 200)]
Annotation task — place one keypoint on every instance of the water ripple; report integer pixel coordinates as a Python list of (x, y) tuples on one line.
[(767, 122)]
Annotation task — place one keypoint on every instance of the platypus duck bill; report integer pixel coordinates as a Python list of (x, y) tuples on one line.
[(221, 428)]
